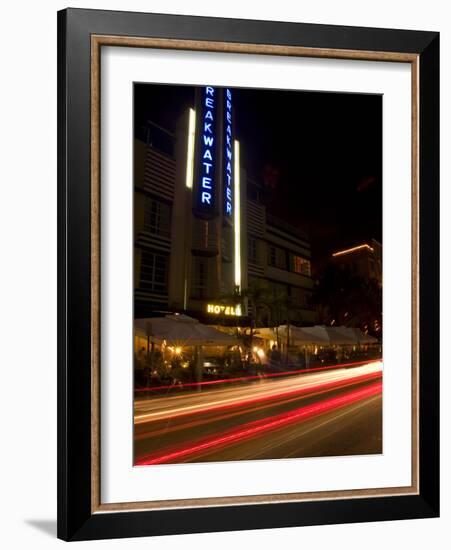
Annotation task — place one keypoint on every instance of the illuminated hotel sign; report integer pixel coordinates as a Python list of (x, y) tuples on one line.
[(215, 152), (228, 154), (213, 173), (220, 309), (207, 149)]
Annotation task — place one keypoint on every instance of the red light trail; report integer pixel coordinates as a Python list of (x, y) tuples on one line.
[(286, 395), (252, 377), (258, 427)]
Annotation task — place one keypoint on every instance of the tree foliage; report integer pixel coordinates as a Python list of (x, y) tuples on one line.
[(343, 298)]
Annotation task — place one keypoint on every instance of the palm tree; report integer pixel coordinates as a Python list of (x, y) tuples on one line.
[(258, 300), (343, 298), (278, 312), (283, 307)]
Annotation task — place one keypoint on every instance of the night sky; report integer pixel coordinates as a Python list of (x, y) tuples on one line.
[(317, 156)]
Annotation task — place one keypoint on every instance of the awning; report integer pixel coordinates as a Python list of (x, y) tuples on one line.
[(361, 337), (319, 335), (337, 336), (304, 336), (265, 333), (181, 330)]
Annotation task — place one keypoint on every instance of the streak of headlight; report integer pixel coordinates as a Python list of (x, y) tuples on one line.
[(254, 377), (232, 404), (191, 421), (168, 405), (261, 426)]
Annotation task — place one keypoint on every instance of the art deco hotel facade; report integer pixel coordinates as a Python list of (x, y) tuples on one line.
[(201, 230)]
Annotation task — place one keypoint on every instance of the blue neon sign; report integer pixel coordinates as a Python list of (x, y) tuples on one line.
[(207, 149), (228, 152)]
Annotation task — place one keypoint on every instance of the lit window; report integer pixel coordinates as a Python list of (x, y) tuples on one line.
[(301, 265)]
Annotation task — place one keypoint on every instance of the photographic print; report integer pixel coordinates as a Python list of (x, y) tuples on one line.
[(248, 274), (257, 274)]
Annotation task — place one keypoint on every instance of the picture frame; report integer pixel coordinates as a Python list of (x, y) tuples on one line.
[(81, 36)]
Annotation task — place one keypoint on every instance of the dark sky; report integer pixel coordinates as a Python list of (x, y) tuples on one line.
[(322, 152)]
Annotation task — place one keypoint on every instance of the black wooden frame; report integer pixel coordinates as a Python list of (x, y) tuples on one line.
[(75, 520)]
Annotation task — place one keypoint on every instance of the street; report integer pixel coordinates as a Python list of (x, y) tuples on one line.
[(332, 412)]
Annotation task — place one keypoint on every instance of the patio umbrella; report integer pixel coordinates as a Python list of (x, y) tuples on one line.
[(331, 336), (265, 333), (182, 330), (356, 333), (305, 335), (365, 338)]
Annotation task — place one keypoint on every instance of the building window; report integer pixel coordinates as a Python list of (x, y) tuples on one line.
[(157, 217), (199, 285), (300, 297), (272, 256), (226, 243), (253, 251), (154, 270), (205, 236), (278, 290), (277, 257), (160, 139), (301, 265)]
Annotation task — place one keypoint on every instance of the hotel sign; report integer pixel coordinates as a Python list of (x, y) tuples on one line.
[(228, 155), (214, 174), (206, 187), (221, 309)]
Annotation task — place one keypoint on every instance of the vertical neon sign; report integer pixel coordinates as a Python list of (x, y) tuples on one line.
[(228, 152), (237, 217), (190, 150), (207, 150)]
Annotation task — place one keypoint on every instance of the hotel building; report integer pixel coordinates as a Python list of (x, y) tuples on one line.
[(363, 260), (201, 232)]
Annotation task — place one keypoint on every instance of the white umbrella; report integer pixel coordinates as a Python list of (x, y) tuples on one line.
[(305, 335), (330, 336), (358, 335), (179, 330), (365, 338), (265, 333)]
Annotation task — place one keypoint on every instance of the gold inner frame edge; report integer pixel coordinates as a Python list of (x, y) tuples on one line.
[(97, 41)]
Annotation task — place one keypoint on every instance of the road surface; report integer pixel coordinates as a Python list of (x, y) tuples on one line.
[(334, 412)]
